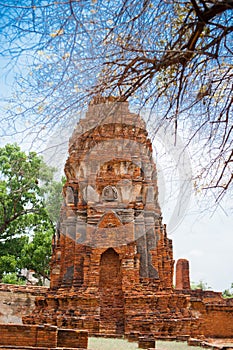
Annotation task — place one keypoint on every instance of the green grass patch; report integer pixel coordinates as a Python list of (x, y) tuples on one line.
[(121, 344)]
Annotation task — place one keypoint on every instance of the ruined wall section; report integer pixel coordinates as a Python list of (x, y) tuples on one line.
[(17, 301), (41, 337), (163, 314), (162, 259)]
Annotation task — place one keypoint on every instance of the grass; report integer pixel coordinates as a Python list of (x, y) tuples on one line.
[(121, 344)]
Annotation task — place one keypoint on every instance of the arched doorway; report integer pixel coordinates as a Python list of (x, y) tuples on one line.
[(111, 295)]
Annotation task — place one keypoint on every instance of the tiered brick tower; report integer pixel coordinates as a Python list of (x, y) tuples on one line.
[(111, 236), (112, 263), (111, 202)]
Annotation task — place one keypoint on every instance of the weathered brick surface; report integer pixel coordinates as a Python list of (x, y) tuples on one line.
[(146, 342), (41, 336), (111, 238), (17, 301), (111, 294), (218, 320), (112, 263), (28, 335), (182, 274), (72, 338)]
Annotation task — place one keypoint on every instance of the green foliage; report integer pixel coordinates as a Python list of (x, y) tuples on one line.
[(13, 245), (12, 278), (21, 201), (8, 264), (200, 285), (26, 224), (53, 199), (36, 254), (228, 293)]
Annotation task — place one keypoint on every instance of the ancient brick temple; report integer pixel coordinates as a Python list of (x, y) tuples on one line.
[(112, 262)]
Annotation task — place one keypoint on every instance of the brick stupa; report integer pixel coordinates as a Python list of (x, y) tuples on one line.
[(112, 262)]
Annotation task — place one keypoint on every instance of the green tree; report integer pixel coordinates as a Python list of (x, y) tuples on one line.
[(26, 228), (228, 293), (21, 201), (36, 253), (12, 278), (10, 257), (8, 264), (53, 199), (200, 285), (13, 246)]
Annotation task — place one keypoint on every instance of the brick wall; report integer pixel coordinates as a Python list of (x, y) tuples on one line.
[(17, 301), (28, 335), (71, 338), (111, 295), (41, 336), (182, 274), (218, 321)]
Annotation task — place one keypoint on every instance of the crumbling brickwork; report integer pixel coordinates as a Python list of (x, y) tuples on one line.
[(112, 263), (111, 238), (182, 274), (25, 335), (111, 199), (17, 301)]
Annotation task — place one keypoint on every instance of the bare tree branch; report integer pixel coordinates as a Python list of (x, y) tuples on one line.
[(174, 57)]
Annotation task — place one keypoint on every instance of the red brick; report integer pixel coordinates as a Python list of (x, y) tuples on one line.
[(112, 263)]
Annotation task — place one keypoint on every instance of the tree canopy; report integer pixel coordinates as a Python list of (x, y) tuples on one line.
[(26, 227), (174, 57), (21, 203)]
